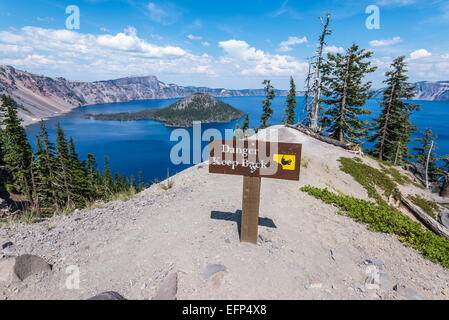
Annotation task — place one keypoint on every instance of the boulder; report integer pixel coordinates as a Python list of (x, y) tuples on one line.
[(417, 169), (27, 265), (109, 295), (443, 218), (168, 288)]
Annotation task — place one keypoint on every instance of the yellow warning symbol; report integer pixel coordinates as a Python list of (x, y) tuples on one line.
[(287, 161)]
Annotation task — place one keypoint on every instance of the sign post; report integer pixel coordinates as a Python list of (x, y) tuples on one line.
[(253, 160)]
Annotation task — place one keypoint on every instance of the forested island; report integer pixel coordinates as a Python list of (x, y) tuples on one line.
[(195, 107)]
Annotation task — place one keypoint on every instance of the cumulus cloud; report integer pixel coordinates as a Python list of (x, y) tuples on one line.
[(420, 53), (286, 45), (257, 62), (87, 56), (106, 54), (387, 42)]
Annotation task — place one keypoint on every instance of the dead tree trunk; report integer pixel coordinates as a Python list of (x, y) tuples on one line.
[(315, 110), (428, 221)]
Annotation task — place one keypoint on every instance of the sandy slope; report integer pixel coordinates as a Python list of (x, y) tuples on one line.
[(130, 247)]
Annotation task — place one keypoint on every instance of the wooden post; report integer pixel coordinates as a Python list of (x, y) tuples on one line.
[(250, 209)]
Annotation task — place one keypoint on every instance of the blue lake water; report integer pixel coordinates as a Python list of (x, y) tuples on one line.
[(145, 145)]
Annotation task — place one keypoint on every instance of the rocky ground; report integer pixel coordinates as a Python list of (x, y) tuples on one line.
[(184, 242)]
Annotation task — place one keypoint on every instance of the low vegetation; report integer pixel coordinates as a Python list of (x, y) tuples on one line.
[(428, 206), (387, 219), (371, 179)]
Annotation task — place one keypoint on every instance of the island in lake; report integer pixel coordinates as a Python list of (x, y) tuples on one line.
[(195, 107)]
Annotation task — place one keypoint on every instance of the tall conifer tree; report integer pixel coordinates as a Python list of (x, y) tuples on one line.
[(392, 129), (346, 92), (267, 111), (291, 104)]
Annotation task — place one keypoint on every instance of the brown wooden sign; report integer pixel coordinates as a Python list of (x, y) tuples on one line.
[(255, 158)]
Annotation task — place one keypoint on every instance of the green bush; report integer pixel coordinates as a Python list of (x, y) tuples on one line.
[(387, 219), (370, 178)]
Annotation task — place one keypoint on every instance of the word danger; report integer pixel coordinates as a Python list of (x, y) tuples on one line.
[(245, 163), (243, 151)]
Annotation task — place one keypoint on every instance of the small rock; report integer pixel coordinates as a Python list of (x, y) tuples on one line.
[(358, 286), (378, 263), (334, 254), (264, 238), (109, 295), (316, 285), (168, 288), (7, 244), (212, 269), (407, 293), (8, 248), (27, 265), (443, 292)]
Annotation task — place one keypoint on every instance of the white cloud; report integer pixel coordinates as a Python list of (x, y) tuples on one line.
[(333, 49), (165, 13), (251, 61), (87, 56), (421, 53), (192, 37), (286, 45), (387, 42)]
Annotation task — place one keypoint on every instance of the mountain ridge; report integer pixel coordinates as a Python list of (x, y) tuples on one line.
[(41, 96)]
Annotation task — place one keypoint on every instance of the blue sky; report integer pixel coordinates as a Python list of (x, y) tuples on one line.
[(231, 44)]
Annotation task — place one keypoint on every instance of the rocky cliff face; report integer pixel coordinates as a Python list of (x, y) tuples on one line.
[(426, 90), (41, 96)]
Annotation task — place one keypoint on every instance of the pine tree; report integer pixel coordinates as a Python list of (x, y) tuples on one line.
[(133, 184), (141, 185), (125, 183), (16, 149), (345, 93), (63, 168), (422, 153), (307, 95), (267, 111), (91, 167), (291, 104), (245, 126), (108, 182), (118, 186), (393, 128), (80, 178), (316, 87), (445, 189), (46, 157)]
